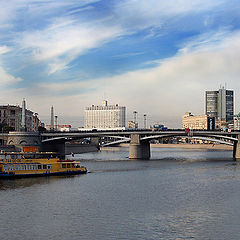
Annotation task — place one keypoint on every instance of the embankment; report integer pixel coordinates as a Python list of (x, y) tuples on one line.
[(188, 146)]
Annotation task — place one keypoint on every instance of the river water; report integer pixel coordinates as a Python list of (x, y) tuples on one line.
[(178, 194)]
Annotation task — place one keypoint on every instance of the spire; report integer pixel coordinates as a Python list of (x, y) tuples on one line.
[(23, 125), (52, 119)]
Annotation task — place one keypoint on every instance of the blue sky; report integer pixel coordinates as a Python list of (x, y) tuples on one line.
[(155, 57)]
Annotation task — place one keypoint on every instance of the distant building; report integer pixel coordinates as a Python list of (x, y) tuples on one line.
[(105, 116), (237, 122), (203, 122), (220, 104), (11, 116), (132, 124), (61, 128)]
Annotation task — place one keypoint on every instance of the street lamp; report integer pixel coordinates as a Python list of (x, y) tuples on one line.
[(145, 120), (135, 118)]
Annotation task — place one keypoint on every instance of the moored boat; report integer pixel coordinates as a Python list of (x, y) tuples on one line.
[(33, 164)]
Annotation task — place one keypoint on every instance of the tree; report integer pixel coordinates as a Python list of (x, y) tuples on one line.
[(42, 129), (7, 129)]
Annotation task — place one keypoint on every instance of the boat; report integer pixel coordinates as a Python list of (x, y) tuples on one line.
[(34, 164)]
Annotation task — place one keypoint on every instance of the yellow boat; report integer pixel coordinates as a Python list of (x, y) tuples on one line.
[(32, 164)]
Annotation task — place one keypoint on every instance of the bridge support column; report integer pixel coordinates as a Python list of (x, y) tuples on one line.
[(138, 149), (236, 149), (95, 142)]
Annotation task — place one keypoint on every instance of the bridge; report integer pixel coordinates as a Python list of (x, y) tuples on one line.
[(139, 140)]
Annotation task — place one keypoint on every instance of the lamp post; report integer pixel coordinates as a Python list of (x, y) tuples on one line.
[(145, 120), (135, 118)]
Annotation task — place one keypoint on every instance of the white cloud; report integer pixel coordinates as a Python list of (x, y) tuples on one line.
[(4, 49), (66, 39), (10, 10), (210, 41), (6, 78), (164, 92), (142, 14)]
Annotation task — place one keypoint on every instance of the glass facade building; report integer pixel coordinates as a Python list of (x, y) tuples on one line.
[(220, 104)]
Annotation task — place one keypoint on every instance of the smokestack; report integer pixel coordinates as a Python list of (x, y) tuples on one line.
[(23, 115), (52, 120)]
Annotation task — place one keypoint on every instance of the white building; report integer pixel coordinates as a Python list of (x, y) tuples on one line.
[(105, 116)]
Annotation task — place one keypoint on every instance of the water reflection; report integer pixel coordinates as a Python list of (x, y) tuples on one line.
[(7, 184)]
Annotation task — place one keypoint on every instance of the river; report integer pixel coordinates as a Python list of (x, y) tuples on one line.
[(178, 194)]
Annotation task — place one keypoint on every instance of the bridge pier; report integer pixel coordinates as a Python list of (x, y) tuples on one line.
[(58, 147), (236, 149), (138, 149)]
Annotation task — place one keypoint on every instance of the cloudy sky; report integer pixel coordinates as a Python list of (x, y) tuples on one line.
[(155, 57)]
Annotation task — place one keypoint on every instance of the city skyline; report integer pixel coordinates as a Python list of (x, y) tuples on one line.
[(157, 58)]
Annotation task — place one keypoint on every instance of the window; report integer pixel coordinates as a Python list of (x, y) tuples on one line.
[(39, 166), (49, 166), (34, 167), (64, 165), (5, 168), (44, 166), (68, 165)]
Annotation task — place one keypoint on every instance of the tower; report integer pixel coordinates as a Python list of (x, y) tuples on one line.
[(23, 124), (52, 120)]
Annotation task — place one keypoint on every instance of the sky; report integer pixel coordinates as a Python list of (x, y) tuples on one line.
[(155, 57)]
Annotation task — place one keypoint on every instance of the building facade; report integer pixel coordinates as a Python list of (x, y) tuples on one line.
[(11, 116), (203, 122), (237, 122), (220, 104), (132, 124), (61, 128), (105, 116)]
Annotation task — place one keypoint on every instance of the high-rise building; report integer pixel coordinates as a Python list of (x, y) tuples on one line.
[(105, 116), (220, 104)]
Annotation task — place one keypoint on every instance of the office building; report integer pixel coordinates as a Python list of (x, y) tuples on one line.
[(105, 116), (202, 122), (220, 104)]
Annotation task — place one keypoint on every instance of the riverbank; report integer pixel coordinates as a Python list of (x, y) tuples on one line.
[(188, 146)]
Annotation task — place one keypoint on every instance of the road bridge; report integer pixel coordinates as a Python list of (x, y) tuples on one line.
[(139, 140)]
